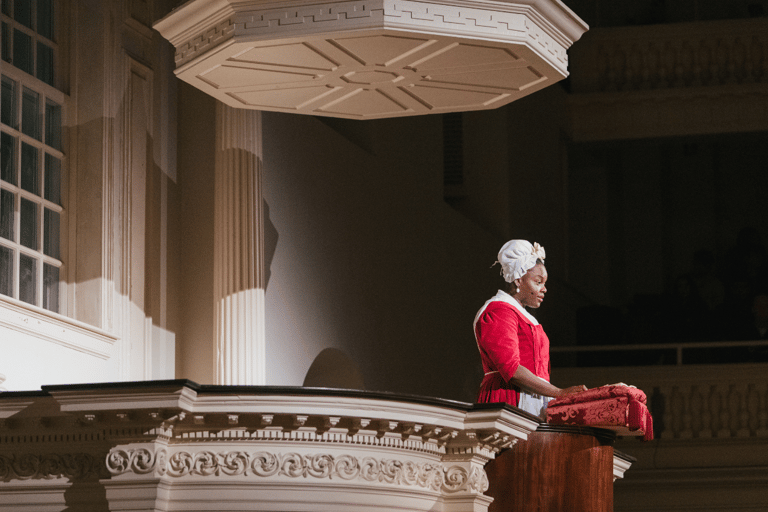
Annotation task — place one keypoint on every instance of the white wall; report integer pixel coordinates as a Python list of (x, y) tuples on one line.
[(40, 348), (365, 256)]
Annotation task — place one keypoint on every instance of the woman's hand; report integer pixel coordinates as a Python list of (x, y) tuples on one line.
[(571, 391), (526, 380)]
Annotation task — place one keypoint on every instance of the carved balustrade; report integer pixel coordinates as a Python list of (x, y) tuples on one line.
[(696, 401), (671, 56)]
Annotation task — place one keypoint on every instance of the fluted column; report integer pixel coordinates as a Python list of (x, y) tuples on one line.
[(239, 256)]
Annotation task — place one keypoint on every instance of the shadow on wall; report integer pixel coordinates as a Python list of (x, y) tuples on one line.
[(270, 241), (332, 368)]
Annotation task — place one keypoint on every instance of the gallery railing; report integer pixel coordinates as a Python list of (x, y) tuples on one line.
[(691, 401), (700, 54), (680, 349)]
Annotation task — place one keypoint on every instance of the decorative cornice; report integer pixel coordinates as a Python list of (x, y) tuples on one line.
[(182, 413), (201, 43), (369, 59), (519, 24)]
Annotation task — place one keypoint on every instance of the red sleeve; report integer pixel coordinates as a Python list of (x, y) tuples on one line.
[(497, 338)]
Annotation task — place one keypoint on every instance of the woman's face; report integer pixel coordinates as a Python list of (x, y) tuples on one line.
[(532, 287)]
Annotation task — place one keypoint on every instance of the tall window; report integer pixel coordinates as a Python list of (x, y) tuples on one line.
[(28, 37), (30, 155)]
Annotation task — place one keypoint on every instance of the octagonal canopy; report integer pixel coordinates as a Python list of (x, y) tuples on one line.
[(369, 59)]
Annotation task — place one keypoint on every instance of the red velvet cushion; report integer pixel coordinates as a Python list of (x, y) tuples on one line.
[(602, 393), (619, 408)]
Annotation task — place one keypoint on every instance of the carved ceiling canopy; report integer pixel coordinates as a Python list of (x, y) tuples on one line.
[(368, 59)]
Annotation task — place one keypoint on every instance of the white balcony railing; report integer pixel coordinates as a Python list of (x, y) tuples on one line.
[(681, 55), (692, 402)]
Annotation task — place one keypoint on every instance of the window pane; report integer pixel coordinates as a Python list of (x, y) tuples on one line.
[(27, 279), (29, 174), (22, 12), (9, 116), (22, 51), (45, 18), (28, 224), (6, 42), (6, 214), (51, 233), (50, 287), (52, 179), (30, 113), (45, 63), (7, 7), (6, 271), (53, 124), (8, 158)]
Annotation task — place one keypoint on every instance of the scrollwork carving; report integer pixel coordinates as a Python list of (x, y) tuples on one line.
[(264, 464), (26, 466), (347, 467), (143, 461), (431, 476), (320, 466), (370, 469), (5, 468), (179, 464), (410, 473), (292, 465), (390, 470), (234, 463), (455, 478), (47, 466), (478, 480), (140, 461), (205, 464)]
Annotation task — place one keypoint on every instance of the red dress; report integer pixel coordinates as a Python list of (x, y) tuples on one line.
[(507, 337)]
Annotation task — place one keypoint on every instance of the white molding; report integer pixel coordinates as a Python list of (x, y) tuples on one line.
[(620, 466), (55, 328), (191, 18), (79, 401)]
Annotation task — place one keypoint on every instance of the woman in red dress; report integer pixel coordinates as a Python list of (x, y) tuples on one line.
[(513, 346)]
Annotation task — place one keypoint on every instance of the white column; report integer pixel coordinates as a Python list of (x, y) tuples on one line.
[(239, 256)]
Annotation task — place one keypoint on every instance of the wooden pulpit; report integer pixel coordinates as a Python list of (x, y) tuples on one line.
[(560, 468)]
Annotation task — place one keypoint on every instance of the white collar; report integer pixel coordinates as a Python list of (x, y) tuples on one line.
[(503, 296)]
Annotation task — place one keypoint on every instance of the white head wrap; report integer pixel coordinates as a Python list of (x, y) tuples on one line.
[(517, 257)]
